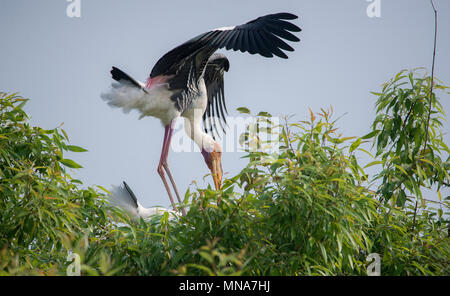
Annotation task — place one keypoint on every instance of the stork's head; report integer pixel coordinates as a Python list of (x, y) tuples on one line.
[(213, 159)]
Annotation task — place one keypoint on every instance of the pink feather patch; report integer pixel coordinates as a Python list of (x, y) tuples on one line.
[(152, 82)]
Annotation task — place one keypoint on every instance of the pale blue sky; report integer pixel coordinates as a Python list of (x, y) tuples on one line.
[(62, 64)]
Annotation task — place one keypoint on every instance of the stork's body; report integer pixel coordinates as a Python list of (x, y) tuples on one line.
[(188, 82)]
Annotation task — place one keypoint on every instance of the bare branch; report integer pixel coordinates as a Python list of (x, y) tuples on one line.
[(432, 74)]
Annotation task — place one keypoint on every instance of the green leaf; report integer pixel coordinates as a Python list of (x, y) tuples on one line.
[(74, 148), (373, 163), (65, 134), (401, 169), (401, 198), (370, 135), (243, 110), (263, 113), (206, 256), (70, 163), (355, 145)]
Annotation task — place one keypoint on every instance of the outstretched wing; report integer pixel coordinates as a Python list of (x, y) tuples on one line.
[(263, 36), (216, 108)]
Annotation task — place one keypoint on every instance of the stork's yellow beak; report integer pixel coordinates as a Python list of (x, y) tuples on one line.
[(216, 168)]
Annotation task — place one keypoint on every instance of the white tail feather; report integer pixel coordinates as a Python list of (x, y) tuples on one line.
[(125, 96), (155, 102)]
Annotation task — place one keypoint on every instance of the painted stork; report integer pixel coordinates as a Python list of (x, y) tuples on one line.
[(188, 82), (125, 198)]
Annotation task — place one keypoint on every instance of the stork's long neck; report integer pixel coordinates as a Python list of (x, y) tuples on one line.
[(194, 130)]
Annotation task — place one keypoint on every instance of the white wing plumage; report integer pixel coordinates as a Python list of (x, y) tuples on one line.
[(125, 199)]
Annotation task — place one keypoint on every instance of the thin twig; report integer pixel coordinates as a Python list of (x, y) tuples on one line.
[(429, 200), (432, 74), (414, 219), (409, 113)]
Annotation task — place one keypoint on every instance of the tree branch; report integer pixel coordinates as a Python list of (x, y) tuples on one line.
[(432, 74)]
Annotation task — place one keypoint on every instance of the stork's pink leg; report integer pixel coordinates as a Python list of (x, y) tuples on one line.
[(164, 164), (161, 169)]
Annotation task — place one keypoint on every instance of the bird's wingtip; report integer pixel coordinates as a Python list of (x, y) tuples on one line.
[(285, 16)]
